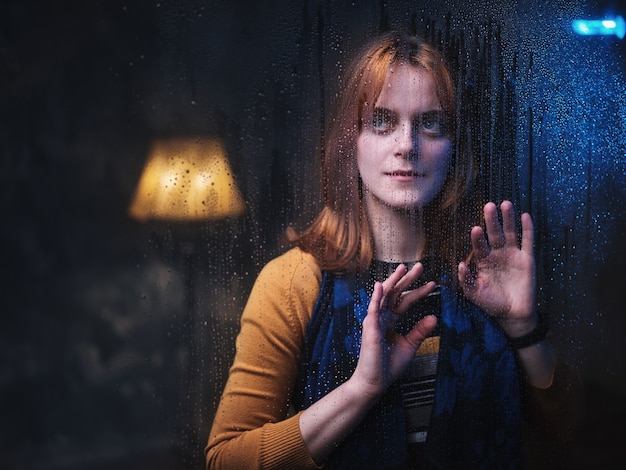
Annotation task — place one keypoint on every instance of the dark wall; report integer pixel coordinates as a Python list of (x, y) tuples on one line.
[(116, 335)]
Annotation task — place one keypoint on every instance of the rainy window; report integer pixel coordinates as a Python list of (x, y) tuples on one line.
[(157, 155)]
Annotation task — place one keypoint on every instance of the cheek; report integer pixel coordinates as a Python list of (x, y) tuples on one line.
[(359, 147), (439, 155), (362, 155)]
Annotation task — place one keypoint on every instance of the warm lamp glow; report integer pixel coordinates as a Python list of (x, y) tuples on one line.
[(186, 179)]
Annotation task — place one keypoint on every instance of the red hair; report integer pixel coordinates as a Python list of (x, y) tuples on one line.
[(340, 237)]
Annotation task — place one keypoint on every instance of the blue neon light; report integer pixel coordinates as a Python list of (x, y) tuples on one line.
[(610, 26)]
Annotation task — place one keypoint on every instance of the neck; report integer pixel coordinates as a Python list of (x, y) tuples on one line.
[(398, 234)]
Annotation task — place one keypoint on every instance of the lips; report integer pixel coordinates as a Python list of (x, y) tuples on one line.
[(404, 175)]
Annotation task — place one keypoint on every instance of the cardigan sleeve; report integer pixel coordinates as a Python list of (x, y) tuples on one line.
[(251, 428)]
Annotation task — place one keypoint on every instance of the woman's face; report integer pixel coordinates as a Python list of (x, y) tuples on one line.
[(404, 151)]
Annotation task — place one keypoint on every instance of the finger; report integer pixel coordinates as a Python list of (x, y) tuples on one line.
[(394, 291), (408, 298), (528, 233), (412, 275), (492, 224), (372, 323), (376, 301), (480, 247), (466, 279), (508, 223), (462, 273), (390, 283), (421, 331)]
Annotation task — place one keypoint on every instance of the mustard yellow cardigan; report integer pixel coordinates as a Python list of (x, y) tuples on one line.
[(253, 426)]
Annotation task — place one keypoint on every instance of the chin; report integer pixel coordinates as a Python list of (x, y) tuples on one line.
[(403, 202), (411, 206), (412, 203)]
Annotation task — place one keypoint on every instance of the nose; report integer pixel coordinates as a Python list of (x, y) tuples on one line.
[(406, 141)]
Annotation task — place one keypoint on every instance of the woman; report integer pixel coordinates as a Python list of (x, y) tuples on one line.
[(332, 327)]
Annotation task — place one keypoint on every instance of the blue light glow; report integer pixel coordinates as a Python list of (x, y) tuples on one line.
[(610, 26)]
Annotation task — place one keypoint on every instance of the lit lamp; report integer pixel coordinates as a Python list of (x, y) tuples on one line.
[(605, 27), (186, 179)]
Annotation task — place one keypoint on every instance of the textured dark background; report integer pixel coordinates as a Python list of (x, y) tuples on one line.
[(102, 364)]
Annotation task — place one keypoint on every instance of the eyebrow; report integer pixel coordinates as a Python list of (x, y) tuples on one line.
[(430, 111), (383, 109), (434, 112)]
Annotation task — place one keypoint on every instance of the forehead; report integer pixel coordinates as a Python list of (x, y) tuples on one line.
[(408, 87)]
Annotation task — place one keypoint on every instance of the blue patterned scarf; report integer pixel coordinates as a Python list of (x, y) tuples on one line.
[(476, 418)]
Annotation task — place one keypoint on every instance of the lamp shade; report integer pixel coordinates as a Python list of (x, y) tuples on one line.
[(186, 179)]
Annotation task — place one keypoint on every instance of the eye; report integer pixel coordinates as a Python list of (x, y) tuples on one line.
[(383, 120), (432, 123)]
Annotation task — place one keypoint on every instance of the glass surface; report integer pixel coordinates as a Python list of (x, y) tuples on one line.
[(118, 334)]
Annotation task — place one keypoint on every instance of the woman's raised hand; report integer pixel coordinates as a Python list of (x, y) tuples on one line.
[(501, 276), (385, 354)]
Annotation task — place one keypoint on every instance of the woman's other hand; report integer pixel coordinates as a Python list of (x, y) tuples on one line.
[(500, 279), (385, 354)]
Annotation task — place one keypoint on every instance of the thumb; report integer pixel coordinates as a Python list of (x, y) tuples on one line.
[(421, 330), (466, 279)]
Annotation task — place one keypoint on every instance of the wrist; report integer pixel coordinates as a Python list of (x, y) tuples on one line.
[(516, 327), (528, 334), (362, 390)]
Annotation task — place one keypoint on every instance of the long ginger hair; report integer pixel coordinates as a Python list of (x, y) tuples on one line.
[(340, 237)]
